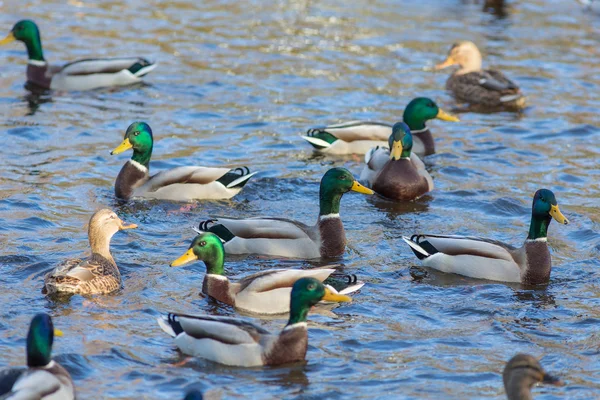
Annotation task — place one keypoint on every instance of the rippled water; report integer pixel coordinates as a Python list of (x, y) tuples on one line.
[(236, 84)]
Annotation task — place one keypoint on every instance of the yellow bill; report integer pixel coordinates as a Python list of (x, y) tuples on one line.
[(125, 145), (396, 152), (184, 259), (444, 116), (338, 298), (58, 332), (8, 39), (557, 215), (448, 63), (357, 187)]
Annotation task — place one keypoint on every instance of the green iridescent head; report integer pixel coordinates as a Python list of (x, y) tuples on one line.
[(421, 110), (139, 138), (39, 340), (543, 209), (307, 292), (206, 247), (27, 32), (400, 141), (334, 184)]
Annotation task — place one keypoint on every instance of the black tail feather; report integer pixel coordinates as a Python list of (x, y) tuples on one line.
[(172, 319)]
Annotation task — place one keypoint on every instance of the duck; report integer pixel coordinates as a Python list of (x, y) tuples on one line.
[(97, 274), (175, 184), (480, 258), (521, 373), (358, 137), (236, 342), (265, 292), (276, 236), (471, 84), (193, 395), (397, 174), (44, 378), (87, 74)]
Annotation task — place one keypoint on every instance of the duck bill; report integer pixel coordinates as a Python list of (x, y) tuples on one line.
[(357, 187), (8, 39), (552, 380), (444, 116), (396, 152), (58, 332), (124, 226), (338, 298), (557, 215), (184, 259), (448, 63), (125, 145)]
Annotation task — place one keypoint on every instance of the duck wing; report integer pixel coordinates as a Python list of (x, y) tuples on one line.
[(265, 281), (375, 160), (353, 131), (454, 245), (34, 384), (136, 65), (258, 228)]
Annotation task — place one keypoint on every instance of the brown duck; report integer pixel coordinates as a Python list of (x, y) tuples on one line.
[(521, 373)]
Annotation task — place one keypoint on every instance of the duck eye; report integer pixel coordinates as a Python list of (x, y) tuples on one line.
[(202, 243), (136, 133), (311, 286)]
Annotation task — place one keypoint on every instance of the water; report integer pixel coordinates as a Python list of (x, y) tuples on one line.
[(236, 85)]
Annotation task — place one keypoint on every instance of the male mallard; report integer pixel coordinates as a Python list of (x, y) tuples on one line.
[(288, 238), (177, 184), (480, 258), (233, 341), (44, 378), (471, 84), (521, 373), (91, 73), (360, 136), (396, 174), (265, 292), (98, 274)]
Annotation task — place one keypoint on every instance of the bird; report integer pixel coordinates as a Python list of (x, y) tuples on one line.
[(471, 84), (44, 378), (276, 236), (87, 74), (358, 137), (265, 292), (236, 342), (176, 184), (397, 174), (521, 373), (97, 274), (481, 258), (193, 395)]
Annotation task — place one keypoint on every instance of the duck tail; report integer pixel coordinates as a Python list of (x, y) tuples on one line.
[(218, 229), (236, 178), (421, 249), (141, 67), (319, 138), (170, 325), (344, 283)]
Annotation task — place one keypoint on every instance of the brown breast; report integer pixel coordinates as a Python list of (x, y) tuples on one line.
[(400, 180), (333, 237), (128, 179), (39, 75), (217, 287), (290, 347), (427, 138), (539, 263)]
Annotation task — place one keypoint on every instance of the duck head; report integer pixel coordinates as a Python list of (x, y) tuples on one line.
[(40, 339), (139, 138), (464, 54), (307, 292), (206, 247), (400, 141), (421, 110)]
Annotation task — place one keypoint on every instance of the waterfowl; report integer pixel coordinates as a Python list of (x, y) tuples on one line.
[(97, 274), (176, 184), (44, 378), (265, 292), (236, 342), (358, 137), (288, 238), (474, 85), (397, 174), (480, 258), (521, 373), (193, 395)]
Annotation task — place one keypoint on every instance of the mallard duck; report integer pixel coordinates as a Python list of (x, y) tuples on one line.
[(233, 341), (480, 258), (474, 85), (91, 73), (97, 274), (288, 238), (265, 292), (399, 174), (176, 184), (358, 137), (44, 378), (521, 373)]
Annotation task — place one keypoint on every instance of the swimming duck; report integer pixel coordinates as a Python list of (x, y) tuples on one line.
[(480, 258), (233, 341), (358, 137), (396, 174), (474, 85), (91, 73), (44, 378), (521, 373), (176, 184), (288, 238), (97, 274), (265, 292)]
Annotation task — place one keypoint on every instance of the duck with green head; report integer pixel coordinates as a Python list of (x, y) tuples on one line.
[(176, 184), (522, 373), (236, 342), (358, 137), (91, 73), (287, 238), (44, 378), (265, 292), (397, 174), (475, 257)]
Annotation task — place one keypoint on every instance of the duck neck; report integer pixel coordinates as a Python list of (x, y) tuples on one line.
[(519, 391), (329, 202), (414, 122), (142, 156), (538, 229), (215, 263), (100, 244), (34, 48), (297, 314)]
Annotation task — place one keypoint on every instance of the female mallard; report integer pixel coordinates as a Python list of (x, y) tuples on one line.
[(471, 84), (396, 174), (266, 292), (521, 373), (480, 258), (360, 136), (288, 238), (91, 73), (177, 184), (233, 341), (98, 274), (44, 378)]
